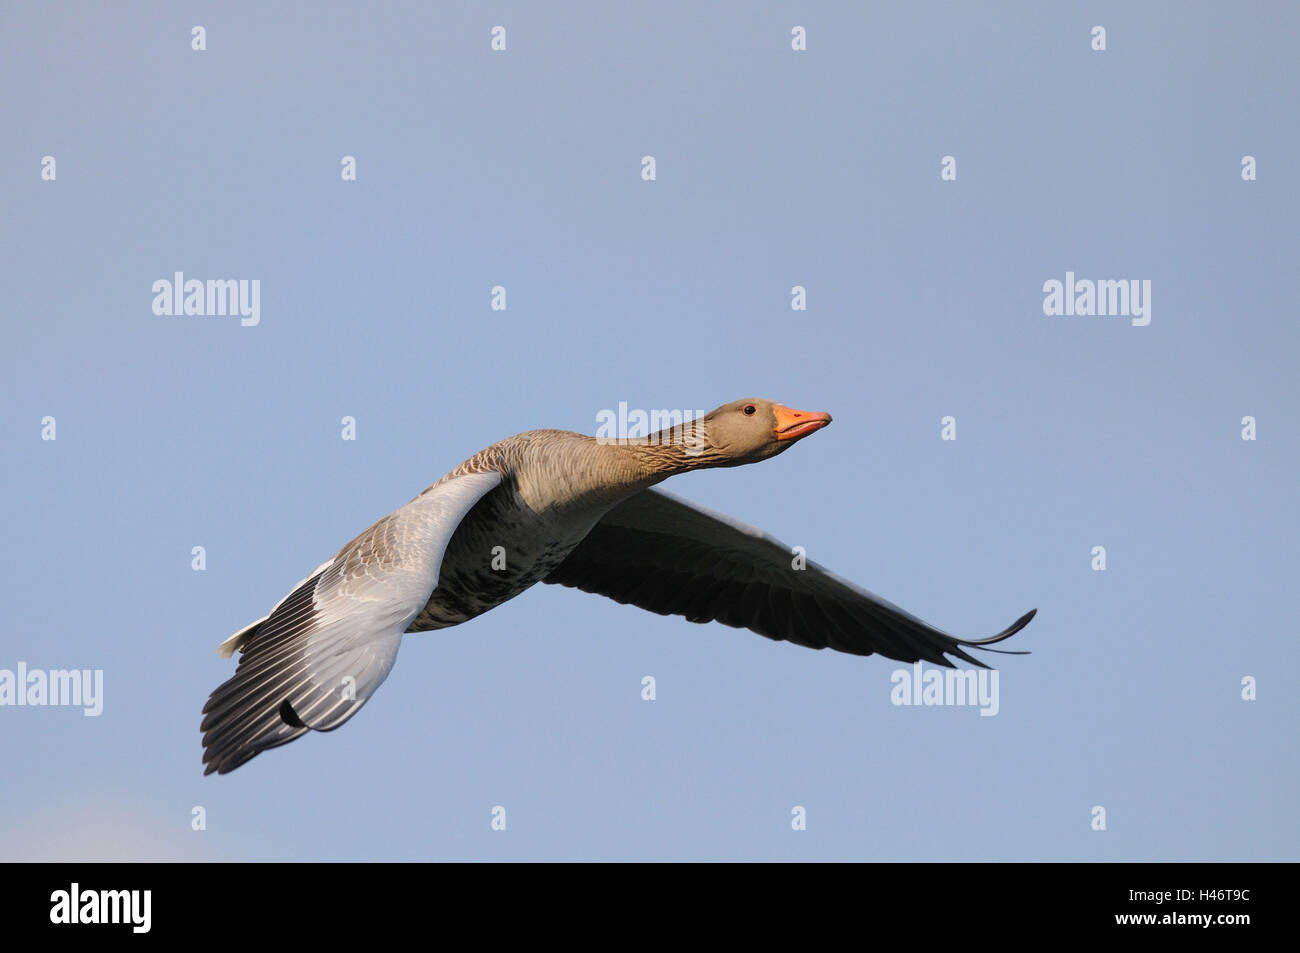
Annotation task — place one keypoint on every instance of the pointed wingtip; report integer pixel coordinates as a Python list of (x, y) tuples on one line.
[(1006, 633), (1023, 621)]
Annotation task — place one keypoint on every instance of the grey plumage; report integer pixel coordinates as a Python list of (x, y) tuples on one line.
[(323, 651), (553, 506)]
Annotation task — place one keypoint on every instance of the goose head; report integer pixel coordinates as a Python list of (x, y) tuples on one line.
[(753, 429)]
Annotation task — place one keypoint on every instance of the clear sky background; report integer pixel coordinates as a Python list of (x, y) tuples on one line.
[(775, 168)]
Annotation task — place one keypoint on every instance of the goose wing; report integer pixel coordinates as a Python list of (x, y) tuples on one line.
[(668, 555), (324, 649)]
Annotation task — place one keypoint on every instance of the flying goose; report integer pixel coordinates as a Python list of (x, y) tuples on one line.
[(558, 507)]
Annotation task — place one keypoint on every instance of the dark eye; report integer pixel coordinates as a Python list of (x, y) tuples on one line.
[(750, 409)]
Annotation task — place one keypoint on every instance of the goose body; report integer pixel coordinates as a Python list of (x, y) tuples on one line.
[(558, 507)]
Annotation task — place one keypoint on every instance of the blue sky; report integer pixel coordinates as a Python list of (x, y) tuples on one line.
[(775, 168)]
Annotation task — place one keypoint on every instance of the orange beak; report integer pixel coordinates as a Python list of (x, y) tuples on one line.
[(793, 424)]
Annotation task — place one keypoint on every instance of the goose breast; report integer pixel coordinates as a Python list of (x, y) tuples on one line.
[(504, 546)]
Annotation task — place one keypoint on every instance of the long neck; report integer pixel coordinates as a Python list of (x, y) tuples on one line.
[(673, 450), (565, 468)]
